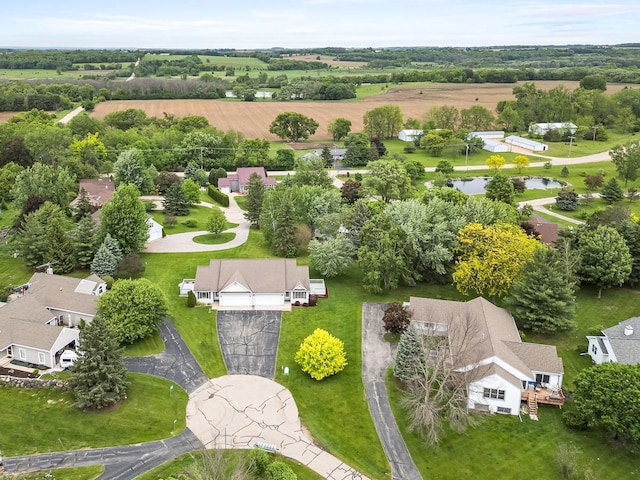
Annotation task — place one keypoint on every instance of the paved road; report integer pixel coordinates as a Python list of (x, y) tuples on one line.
[(377, 355), (69, 116), (539, 203), (175, 363), (121, 463), (249, 341)]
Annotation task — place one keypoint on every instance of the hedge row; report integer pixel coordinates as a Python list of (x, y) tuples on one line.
[(218, 196)]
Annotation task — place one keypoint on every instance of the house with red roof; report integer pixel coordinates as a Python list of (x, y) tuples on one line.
[(238, 181)]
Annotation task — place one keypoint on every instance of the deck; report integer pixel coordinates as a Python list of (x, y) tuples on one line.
[(544, 396)]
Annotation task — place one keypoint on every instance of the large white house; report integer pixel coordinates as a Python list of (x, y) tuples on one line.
[(252, 284), (620, 343), (38, 325), (484, 344)]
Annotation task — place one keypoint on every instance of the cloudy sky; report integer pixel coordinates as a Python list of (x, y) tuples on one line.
[(315, 23)]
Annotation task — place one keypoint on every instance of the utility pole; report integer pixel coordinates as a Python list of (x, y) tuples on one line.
[(466, 157), (571, 137), (595, 129)]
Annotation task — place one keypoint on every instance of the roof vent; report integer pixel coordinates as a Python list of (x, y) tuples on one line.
[(628, 330)]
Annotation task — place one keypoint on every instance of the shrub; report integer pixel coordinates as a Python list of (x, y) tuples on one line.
[(108, 279), (170, 220), (321, 355), (547, 165), (396, 318), (149, 205), (259, 461), (410, 149), (218, 196), (358, 177), (191, 299), (279, 470), (190, 222), (564, 172)]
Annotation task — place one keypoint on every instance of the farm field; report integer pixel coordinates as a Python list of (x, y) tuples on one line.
[(253, 118)]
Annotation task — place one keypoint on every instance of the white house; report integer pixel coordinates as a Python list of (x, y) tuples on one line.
[(526, 143), (409, 135), (42, 322), (250, 283), (155, 229), (620, 343), (543, 128), (484, 344)]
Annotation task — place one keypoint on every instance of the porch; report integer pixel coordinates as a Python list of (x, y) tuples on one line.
[(533, 396)]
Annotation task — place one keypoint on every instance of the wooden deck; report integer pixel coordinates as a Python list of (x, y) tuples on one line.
[(543, 396)]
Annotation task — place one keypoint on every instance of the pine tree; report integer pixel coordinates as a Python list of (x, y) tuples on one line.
[(60, 249), (83, 206), (543, 300), (284, 236), (255, 197), (84, 238), (113, 246), (98, 378), (190, 170), (612, 192), (410, 356), (175, 202), (104, 263)]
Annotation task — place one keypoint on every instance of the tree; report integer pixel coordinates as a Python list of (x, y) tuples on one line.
[(612, 192), (410, 356), (414, 169), (321, 355), (129, 169), (284, 242), (476, 118), (113, 246), (434, 143), (104, 263), (445, 167), (99, 378), (500, 189), (83, 206), (217, 222), (593, 182), (54, 184), (491, 259), (388, 179), (350, 191), (521, 162), (332, 257), (396, 318), (567, 199), (605, 256), (33, 244), (191, 191), (339, 128), (89, 150), (311, 171), (509, 119), (85, 241), (175, 202), (166, 179), (444, 117), (293, 126), (125, 218), (495, 162), (594, 82), (130, 266), (543, 299), (8, 175), (215, 174), (327, 158), (383, 122), (255, 197), (627, 161), (60, 249), (605, 397), (358, 151), (133, 309)]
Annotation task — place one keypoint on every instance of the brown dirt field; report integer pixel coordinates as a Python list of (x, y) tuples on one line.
[(253, 118), (328, 60), (4, 116)]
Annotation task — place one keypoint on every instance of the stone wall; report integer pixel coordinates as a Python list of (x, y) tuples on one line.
[(32, 383)]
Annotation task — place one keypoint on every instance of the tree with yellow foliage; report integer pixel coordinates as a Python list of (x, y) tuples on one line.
[(495, 162), (321, 355), (521, 162), (490, 259)]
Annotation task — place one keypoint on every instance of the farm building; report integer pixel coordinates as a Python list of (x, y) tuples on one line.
[(526, 143), (489, 135), (542, 128), (409, 135), (494, 147)]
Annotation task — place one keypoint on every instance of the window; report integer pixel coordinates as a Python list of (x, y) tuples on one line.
[(202, 295), (493, 393), (22, 354), (504, 410), (540, 378), (594, 349), (299, 295), (41, 358)]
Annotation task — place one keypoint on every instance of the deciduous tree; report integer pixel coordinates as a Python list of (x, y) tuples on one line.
[(350, 190), (388, 179), (321, 355), (217, 222), (331, 257), (383, 122), (293, 126), (396, 318), (125, 218), (311, 171), (50, 183), (495, 162), (358, 151), (521, 162), (191, 191), (339, 128), (627, 161), (500, 189)]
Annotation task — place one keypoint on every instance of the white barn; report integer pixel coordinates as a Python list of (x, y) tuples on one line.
[(526, 143), (542, 128), (409, 135), (490, 135), (495, 147)]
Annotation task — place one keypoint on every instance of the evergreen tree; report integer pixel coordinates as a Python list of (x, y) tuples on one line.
[(98, 378), (543, 299), (60, 249), (410, 356), (326, 156), (190, 170), (83, 207), (113, 246), (284, 237), (567, 200), (500, 189), (84, 237), (175, 201), (104, 263), (33, 243), (612, 192), (255, 197)]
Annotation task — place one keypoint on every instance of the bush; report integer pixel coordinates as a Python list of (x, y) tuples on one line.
[(149, 205), (409, 149), (4, 295), (190, 222), (218, 196), (108, 279), (321, 355), (191, 299), (170, 220), (279, 470), (564, 172), (547, 165), (259, 461)]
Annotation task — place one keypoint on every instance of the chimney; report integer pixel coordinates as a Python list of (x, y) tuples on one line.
[(628, 330)]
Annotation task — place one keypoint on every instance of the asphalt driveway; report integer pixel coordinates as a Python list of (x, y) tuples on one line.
[(249, 341)]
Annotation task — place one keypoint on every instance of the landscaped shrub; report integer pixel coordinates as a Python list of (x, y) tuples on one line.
[(409, 149), (280, 471), (170, 220), (191, 223), (191, 299), (259, 460), (218, 196)]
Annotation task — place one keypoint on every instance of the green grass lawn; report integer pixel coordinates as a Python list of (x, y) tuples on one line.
[(501, 443), (177, 466), (211, 239), (44, 420), (145, 346), (586, 209), (76, 473), (198, 214), (241, 200)]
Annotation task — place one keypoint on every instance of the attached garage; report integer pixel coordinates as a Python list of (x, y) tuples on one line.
[(269, 299), (228, 299)]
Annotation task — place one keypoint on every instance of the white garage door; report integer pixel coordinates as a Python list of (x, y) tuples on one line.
[(268, 299), (235, 299)]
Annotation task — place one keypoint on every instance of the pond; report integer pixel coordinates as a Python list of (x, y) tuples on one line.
[(476, 185)]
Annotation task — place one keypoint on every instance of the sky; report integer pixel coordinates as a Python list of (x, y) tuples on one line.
[(171, 24)]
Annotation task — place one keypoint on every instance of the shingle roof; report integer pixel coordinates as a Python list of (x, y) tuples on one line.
[(100, 190), (245, 172), (258, 275), (626, 348)]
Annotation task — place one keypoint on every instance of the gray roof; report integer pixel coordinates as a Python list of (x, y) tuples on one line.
[(258, 275), (487, 331), (626, 348)]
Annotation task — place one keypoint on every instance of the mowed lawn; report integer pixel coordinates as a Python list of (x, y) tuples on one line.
[(77, 473), (45, 420)]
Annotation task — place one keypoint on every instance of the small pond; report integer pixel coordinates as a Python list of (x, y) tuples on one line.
[(476, 185)]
